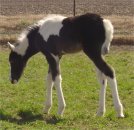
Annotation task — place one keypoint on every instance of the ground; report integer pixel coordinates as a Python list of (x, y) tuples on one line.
[(103, 7)]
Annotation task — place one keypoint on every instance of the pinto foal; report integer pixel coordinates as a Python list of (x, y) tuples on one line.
[(55, 36)]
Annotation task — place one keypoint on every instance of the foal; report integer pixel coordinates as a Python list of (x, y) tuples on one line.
[(55, 36)]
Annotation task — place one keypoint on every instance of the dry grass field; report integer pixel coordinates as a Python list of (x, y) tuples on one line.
[(18, 14)]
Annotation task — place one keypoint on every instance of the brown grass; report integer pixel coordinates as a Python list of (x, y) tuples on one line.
[(11, 26)]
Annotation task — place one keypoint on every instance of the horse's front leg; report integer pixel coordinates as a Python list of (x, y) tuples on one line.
[(49, 86), (53, 61)]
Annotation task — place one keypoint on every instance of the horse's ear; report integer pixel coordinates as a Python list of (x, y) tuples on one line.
[(12, 47)]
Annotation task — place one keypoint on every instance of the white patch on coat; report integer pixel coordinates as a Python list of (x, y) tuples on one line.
[(109, 30), (22, 44), (50, 25)]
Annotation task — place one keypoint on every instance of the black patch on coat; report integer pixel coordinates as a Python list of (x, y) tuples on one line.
[(33, 41)]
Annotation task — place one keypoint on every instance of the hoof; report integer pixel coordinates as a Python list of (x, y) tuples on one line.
[(100, 114), (46, 111), (121, 116), (61, 110)]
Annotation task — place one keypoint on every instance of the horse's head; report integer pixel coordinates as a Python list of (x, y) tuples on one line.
[(17, 64)]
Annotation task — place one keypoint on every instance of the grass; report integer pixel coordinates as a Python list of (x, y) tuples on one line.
[(21, 105)]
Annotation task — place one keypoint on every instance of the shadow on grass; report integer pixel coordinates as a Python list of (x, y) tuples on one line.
[(24, 117), (52, 119)]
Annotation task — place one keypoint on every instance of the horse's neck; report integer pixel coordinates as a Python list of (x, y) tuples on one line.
[(31, 47), (30, 52)]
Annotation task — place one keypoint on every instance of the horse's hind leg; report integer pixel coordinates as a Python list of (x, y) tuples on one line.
[(103, 83), (109, 73), (117, 103)]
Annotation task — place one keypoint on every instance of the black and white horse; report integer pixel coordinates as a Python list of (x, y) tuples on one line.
[(55, 36)]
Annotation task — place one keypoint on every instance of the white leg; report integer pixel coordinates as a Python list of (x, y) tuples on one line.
[(103, 82), (49, 85), (61, 101), (115, 95), (57, 83)]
